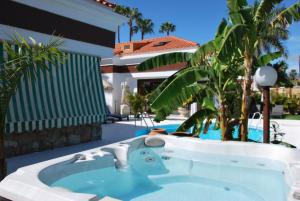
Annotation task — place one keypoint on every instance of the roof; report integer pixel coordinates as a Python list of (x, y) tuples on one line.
[(106, 3), (153, 45)]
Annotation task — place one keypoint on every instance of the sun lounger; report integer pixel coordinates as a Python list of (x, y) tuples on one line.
[(116, 116), (277, 111)]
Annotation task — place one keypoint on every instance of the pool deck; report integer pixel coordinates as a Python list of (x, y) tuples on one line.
[(124, 130)]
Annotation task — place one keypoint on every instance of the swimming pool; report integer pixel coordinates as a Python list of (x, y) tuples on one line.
[(183, 169), (212, 134)]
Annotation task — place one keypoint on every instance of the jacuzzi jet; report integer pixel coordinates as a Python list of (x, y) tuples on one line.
[(226, 188), (296, 195), (261, 164), (166, 158), (149, 159), (234, 161), (144, 153)]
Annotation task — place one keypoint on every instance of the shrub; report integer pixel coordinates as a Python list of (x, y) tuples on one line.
[(137, 103), (292, 104), (257, 97), (278, 99)]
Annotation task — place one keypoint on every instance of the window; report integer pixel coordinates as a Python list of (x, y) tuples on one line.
[(161, 43), (126, 47)]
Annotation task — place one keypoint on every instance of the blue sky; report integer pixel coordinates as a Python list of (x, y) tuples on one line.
[(197, 20)]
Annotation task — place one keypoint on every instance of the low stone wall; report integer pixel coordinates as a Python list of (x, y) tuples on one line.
[(29, 142)]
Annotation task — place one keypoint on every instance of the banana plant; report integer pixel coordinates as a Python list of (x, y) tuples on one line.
[(196, 84), (253, 30)]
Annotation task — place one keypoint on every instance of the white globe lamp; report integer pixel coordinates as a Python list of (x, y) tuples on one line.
[(266, 77)]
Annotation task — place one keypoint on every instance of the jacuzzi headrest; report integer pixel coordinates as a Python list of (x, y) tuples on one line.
[(154, 141)]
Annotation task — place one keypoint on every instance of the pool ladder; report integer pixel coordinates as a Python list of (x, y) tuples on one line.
[(260, 117), (143, 117)]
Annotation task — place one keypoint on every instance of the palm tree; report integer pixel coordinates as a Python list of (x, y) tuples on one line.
[(145, 26), (251, 32), (120, 10), (293, 74), (26, 61), (134, 15), (283, 79), (167, 27)]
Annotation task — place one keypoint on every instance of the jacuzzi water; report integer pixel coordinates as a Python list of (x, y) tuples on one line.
[(212, 134), (181, 175)]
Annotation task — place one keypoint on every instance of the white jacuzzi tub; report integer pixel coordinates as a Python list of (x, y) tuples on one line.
[(233, 170)]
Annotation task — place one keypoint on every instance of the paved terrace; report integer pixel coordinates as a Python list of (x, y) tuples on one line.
[(124, 130)]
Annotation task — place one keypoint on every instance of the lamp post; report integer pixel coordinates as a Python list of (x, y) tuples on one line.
[(266, 77)]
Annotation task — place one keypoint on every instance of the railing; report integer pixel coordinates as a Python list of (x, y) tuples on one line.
[(143, 117), (260, 117)]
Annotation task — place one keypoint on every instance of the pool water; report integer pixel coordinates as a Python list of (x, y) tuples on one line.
[(181, 175), (212, 134)]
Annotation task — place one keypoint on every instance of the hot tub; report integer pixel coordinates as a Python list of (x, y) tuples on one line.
[(182, 169)]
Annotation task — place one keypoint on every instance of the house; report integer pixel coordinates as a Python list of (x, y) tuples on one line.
[(121, 67), (66, 105)]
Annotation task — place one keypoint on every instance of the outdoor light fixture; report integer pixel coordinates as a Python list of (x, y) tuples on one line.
[(266, 77)]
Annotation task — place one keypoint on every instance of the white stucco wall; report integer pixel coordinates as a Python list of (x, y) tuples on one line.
[(113, 98)]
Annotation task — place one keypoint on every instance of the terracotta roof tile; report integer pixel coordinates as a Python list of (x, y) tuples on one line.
[(153, 45), (106, 3)]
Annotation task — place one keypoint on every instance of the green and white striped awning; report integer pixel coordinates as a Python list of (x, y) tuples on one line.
[(69, 94)]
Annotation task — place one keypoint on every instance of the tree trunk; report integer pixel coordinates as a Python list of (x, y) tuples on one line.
[(119, 34), (248, 61), (130, 34), (223, 121), (168, 33), (3, 165), (130, 29), (142, 36)]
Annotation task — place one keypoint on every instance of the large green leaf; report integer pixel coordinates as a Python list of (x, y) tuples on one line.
[(163, 60), (174, 90), (265, 59), (203, 52), (186, 95), (195, 120), (289, 15), (235, 7), (208, 103), (232, 41), (221, 28), (161, 87), (264, 8)]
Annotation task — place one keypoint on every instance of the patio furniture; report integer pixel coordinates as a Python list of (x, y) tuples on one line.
[(277, 135), (111, 119), (277, 111), (116, 116)]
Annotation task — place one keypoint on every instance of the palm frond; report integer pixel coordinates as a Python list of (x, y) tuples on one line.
[(163, 60), (288, 16), (264, 8), (267, 58), (24, 60)]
